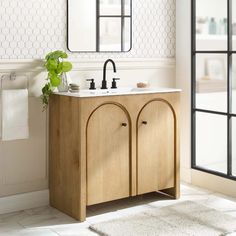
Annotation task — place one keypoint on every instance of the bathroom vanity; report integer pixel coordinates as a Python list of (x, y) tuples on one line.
[(105, 147)]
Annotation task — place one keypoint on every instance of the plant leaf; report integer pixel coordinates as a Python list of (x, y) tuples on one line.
[(48, 56), (59, 69), (55, 80), (64, 66), (55, 65), (63, 55), (51, 64), (51, 73), (56, 55), (45, 89)]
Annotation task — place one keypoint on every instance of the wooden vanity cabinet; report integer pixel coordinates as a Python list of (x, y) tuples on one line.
[(108, 154), (155, 147), (107, 148)]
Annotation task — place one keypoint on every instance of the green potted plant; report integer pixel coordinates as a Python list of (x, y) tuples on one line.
[(56, 67)]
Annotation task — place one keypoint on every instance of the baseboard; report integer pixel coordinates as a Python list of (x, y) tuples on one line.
[(185, 175), (24, 201), (214, 183)]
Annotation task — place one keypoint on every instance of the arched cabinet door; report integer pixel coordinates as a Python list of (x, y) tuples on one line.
[(155, 147), (108, 154)]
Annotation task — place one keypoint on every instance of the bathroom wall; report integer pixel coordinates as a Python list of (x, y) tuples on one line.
[(183, 81), (29, 30)]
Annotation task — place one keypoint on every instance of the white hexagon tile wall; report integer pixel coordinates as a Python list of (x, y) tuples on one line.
[(31, 28)]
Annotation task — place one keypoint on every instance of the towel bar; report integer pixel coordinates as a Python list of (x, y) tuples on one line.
[(12, 77)]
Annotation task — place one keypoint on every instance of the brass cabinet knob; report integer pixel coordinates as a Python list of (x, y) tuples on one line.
[(144, 122), (124, 124)]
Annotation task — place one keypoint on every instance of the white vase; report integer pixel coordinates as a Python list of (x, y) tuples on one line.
[(64, 86)]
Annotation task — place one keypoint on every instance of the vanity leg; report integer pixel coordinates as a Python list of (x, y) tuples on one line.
[(82, 214), (173, 192), (82, 174), (83, 201)]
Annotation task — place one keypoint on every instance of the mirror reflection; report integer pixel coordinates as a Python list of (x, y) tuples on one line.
[(99, 25)]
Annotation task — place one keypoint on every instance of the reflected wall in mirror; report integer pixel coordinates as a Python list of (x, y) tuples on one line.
[(99, 25)]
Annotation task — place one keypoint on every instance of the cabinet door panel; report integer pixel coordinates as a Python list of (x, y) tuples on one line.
[(108, 155), (155, 145)]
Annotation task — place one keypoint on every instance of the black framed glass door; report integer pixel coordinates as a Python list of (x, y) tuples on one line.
[(214, 87)]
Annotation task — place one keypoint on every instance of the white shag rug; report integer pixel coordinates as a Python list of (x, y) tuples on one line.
[(181, 219)]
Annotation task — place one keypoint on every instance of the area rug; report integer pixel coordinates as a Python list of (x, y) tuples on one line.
[(181, 219)]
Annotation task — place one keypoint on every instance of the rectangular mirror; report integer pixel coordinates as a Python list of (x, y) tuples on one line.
[(99, 25)]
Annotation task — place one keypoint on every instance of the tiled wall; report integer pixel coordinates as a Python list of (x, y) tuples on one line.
[(31, 28)]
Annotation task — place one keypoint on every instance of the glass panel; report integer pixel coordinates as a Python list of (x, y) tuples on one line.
[(234, 147), (110, 39), (211, 82), (234, 24), (127, 7), (234, 84), (81, 25), (211, 141), (211, 25), (127, 34), (110, 7)]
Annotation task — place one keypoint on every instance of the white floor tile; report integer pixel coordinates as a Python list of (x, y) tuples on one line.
[(47, 221), (79, 229), (9, 226), (13, 217), (31, 232)]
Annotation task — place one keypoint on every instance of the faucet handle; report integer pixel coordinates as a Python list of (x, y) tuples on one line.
[(92, 84), (113, 85)]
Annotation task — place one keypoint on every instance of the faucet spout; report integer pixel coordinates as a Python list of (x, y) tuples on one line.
[(104, 81)]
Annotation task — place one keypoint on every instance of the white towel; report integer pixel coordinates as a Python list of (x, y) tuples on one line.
[(15, 114)]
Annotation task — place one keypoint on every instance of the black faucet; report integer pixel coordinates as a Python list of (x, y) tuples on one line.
[(104, 82)]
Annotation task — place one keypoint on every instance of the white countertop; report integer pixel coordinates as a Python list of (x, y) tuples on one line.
[(114, 92)]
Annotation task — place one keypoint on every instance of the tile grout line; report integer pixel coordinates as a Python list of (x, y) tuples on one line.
[(55, 232)]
